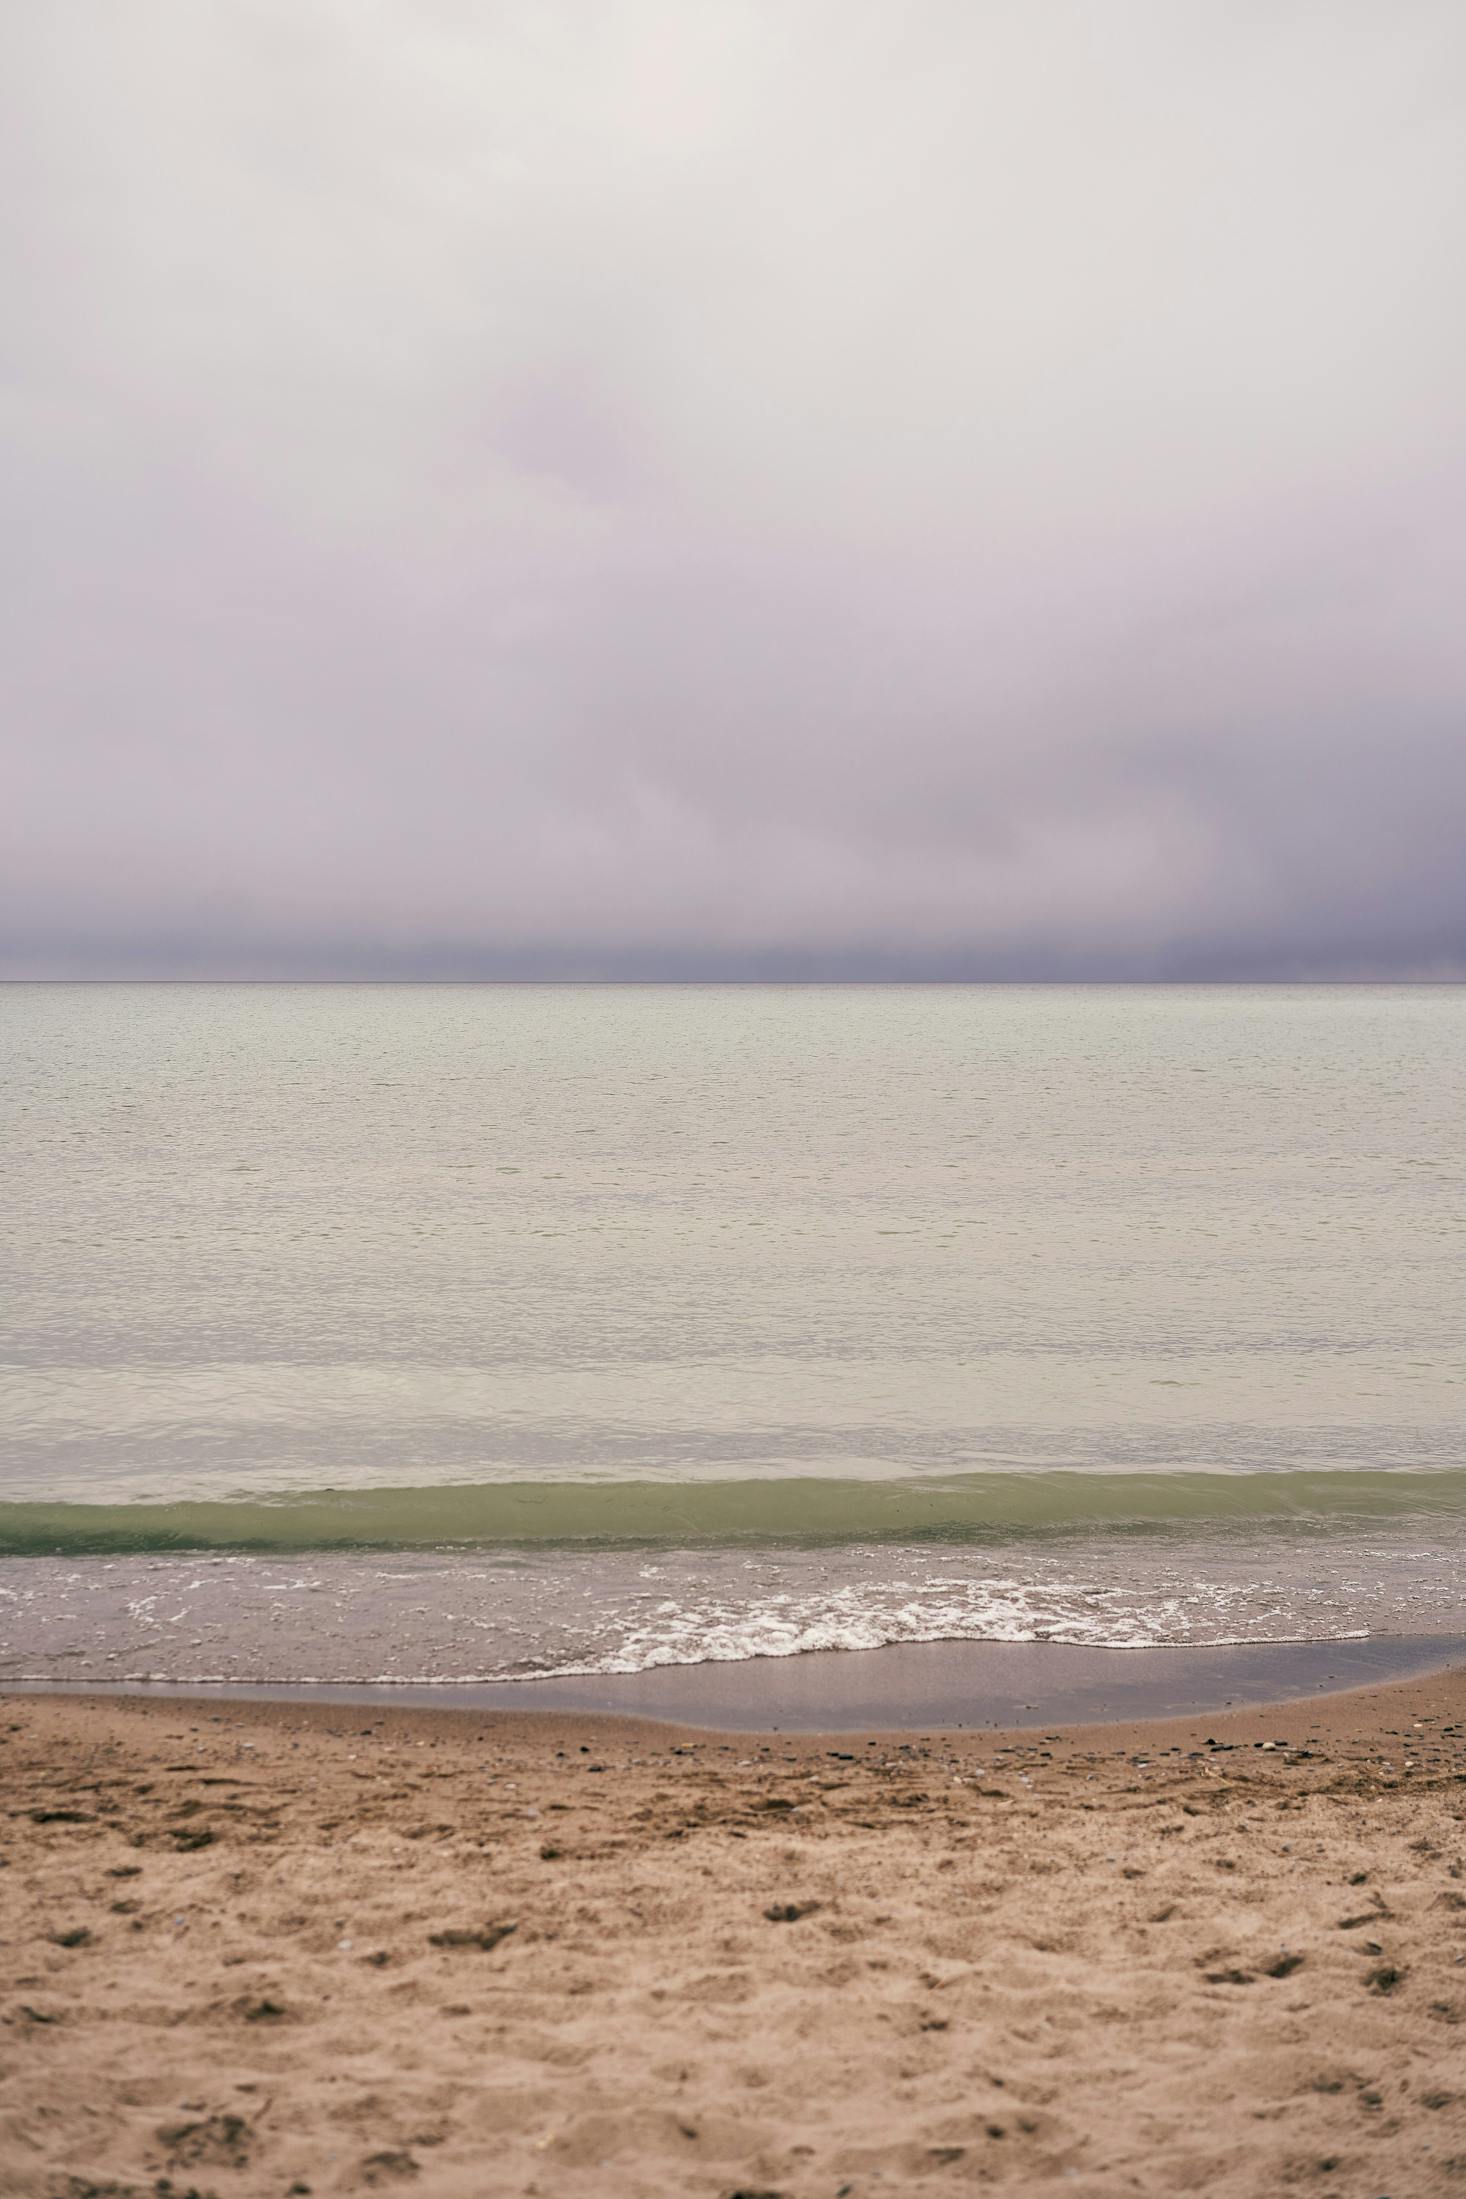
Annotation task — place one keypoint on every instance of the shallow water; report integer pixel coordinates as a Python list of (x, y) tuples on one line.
[(793, 1291)]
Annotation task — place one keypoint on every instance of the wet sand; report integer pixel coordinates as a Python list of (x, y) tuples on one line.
[(951, 1685), (270, 1948)]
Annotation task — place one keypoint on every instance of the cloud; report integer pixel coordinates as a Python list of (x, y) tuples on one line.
[(733, 490)]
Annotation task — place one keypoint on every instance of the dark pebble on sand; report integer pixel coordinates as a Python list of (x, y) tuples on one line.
[(486, 1937)]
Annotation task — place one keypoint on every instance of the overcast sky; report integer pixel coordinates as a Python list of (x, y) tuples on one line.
[(733, 487)]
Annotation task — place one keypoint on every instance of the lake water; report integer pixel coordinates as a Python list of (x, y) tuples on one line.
[(429, 1332)]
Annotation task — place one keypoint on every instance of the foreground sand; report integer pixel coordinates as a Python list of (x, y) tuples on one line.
[(262, 1949)]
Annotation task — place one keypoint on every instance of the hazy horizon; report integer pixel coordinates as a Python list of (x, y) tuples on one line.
[(975, 984)]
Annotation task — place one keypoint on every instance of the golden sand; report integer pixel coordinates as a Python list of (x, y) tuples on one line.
[(261, 1949)]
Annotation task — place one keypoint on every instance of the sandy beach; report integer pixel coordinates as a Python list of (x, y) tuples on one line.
[(274, 1949)]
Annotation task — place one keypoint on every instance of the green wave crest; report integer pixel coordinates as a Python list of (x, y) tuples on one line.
[(510, 1515)]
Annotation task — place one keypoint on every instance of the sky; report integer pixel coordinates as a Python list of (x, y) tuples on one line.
[(733, 488)]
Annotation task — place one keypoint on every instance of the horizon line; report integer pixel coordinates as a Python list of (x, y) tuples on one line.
[(767, 984)]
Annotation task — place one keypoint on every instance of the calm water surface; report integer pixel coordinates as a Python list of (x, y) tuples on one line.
[(846, 1314)]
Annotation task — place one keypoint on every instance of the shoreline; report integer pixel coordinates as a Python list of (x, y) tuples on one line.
[(947, 1687), (1353, 1718)]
